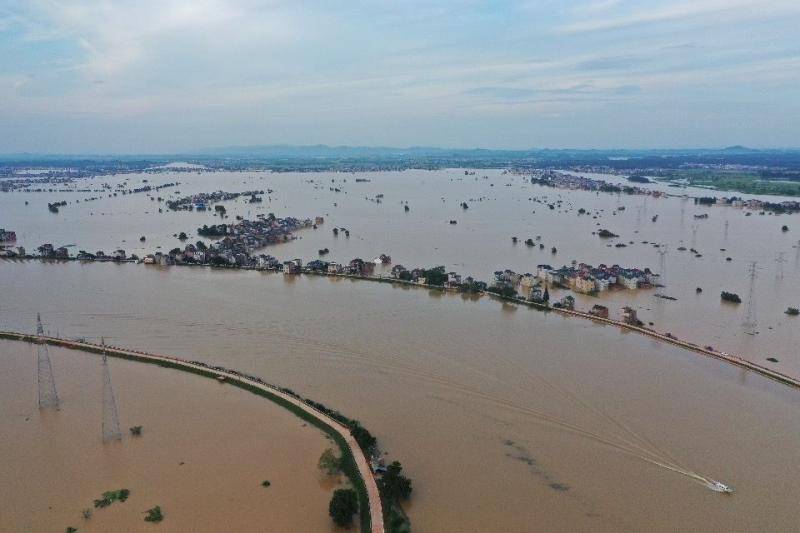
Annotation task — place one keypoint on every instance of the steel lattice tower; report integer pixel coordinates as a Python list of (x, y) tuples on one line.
[(797, 256), (662, 269), (48, 397), (780, 259), (110, 416), (750, 320), (695, 227)]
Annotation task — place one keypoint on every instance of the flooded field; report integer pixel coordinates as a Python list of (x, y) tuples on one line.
[(205, 448), (505, 418)]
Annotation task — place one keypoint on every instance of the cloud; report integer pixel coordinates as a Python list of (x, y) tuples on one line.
[(679, 11), (503, 93)]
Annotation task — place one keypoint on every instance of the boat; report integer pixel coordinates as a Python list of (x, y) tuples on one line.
[(720, 487)]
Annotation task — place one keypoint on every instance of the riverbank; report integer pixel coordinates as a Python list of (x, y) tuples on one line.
[(354, 463)]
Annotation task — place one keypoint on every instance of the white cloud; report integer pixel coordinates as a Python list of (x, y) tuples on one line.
[(741, 9)]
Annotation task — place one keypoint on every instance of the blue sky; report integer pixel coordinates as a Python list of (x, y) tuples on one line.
[(139, 76)]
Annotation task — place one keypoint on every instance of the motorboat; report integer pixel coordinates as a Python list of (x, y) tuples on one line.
[(720, 487)]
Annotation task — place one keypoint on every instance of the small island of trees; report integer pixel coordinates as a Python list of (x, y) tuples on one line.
[(730, 297)]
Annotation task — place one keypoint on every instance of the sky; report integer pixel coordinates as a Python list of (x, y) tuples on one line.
[(167, 76)]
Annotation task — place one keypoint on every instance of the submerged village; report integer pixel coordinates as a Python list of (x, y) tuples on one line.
[(239, 244)]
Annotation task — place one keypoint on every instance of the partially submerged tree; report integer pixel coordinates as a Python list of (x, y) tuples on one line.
[(394, 485), (329, 463), (344, 504)]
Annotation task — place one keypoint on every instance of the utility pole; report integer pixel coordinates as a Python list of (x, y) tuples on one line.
[(750, 319), (48, 397), (110, 416)]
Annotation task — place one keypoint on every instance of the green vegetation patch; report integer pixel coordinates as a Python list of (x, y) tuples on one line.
[(154, 515), (112, 496)]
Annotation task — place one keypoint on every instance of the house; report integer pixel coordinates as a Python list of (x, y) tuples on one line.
[(453, 279), (629, 316), (335, 268), (46, 250), (535, 294), (584, 284), (629, 280), (290, 267), (527, 282), (61, 253), (602, 283), (356, 266), (397, 270)]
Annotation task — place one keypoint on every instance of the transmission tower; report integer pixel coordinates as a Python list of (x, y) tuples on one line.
[(48, 397), (797, 256), (662, 269), (750, 320), (780, 259), (695, 227), (110, 415)]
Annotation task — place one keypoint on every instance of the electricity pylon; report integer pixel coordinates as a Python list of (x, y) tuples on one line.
[(750, 319), (110, 416), (48, 397), (662, 269), (780, 259)]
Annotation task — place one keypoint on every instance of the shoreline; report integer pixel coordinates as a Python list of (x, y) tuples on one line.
[(774, 375), (355, 465)]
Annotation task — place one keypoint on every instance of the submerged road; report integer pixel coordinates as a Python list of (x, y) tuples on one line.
[(363, 465)]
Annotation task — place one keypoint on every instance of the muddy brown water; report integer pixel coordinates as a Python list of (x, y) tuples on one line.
[(504, 417)]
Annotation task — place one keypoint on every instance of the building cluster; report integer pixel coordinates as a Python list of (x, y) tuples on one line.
[(238, 244), (7, 235), (587, 279), (201, 201), (753, 204), (563, 180)]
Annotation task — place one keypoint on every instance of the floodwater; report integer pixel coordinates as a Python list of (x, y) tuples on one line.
[(500, 206), (505, 418), (204, 451)]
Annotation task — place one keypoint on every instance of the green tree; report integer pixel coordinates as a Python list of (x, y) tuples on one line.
[(394, 485), (363, 437), (435, 276), (329, 463), (344, 504)]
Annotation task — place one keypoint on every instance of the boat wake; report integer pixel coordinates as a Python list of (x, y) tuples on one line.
[(622, 439)]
